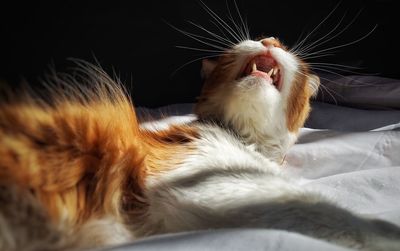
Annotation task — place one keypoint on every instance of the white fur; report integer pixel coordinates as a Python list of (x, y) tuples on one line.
[(226, 184), (249, 105), (103, 232), (233, 179), (226, 179), (165, 123), (210, 182)]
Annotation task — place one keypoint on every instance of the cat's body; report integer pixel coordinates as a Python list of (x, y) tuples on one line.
[(84, 173)]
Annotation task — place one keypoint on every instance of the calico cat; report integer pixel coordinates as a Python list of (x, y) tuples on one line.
[(78, 171)]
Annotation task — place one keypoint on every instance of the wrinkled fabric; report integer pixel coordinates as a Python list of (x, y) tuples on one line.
[(231, 240), (358, 170), (350, 153)]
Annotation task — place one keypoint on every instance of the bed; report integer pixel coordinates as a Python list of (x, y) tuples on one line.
[(349, 151)]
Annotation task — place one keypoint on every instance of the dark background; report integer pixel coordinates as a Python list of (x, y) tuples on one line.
[(133, 38)]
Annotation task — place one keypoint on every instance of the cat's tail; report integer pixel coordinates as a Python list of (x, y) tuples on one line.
[(75, 145), (78, 151)]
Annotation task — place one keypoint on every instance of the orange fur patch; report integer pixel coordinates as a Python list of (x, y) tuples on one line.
[(73, 156), (298, 106), (168, 148), (87, 157), (214, 83)]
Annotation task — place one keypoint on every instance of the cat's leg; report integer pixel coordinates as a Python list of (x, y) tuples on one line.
[(311, 215), (320, 219), (250, 200)]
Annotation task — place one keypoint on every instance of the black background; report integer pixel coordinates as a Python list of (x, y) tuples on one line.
[(133, 38)]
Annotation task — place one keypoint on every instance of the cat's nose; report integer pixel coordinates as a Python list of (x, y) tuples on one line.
[(271, 41)]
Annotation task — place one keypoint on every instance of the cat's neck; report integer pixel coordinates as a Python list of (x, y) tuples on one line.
[(272, 143)]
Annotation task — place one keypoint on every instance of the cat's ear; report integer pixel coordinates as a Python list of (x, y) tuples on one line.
[(208, 66), (313, 83)]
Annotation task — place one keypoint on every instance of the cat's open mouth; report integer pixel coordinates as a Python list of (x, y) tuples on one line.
[(264, 66)]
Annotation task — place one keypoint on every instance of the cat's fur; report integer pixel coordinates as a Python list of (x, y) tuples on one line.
[(79, 172)]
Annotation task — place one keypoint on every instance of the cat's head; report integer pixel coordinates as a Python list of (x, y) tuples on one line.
[(257, 88)]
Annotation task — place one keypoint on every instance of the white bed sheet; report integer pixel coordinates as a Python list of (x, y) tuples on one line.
[(351, 154), (355, 164)]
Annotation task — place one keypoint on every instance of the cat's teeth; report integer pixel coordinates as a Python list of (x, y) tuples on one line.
[(270, 72), (275, 71), (254, 66)]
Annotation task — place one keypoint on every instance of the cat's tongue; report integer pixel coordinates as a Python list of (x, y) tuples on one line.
[(263, 67), (263, 75)]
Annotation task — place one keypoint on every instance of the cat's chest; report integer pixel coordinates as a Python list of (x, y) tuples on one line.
[(221, 174)]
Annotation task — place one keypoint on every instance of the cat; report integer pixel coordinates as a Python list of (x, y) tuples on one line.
[(78, 171)]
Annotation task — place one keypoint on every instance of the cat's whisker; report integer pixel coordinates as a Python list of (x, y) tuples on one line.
[(326, 68), (315, 29), (328, 90), (305, 57), (195, 37), (295, 49), (221, 30), (221, 22), (198, 49), (332, 93), (358, 83), (227, 41), (190, 62), (346, 44), (244, 25), (311, 47), (230, 17), (329, 71), (217, 38), (223, 43), (315, 44), (335, 65), (243, 36)]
